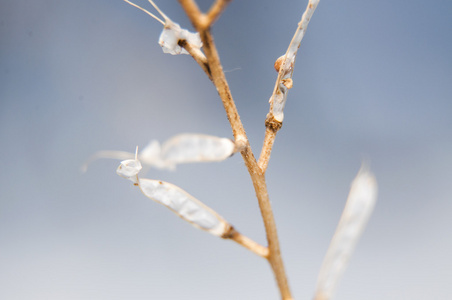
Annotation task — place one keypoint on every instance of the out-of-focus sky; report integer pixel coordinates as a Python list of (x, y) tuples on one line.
[(373, 81)]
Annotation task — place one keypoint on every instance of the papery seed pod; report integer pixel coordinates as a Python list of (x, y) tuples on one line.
[(358, 208), (177, 200), (184, 205), (188, 148), (285, 67), (172, 33), (183, 148), (129, 169)]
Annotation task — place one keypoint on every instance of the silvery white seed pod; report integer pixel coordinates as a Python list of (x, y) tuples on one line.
[(183, 148), (284, 65), (171, 35), (189, 148), (358, 208), (177, 200)]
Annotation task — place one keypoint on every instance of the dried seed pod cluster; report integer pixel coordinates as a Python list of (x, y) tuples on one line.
[(177, 200)]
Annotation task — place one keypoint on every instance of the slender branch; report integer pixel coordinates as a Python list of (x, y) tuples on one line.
[(246, 242), (274, 257), (285, 67), (198, 56), (192, 11), (269, 139), (216, 10)]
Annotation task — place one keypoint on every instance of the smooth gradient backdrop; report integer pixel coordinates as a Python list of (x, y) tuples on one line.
[(372, 81)]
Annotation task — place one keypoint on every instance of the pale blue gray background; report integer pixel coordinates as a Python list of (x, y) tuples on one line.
[(372, 81)]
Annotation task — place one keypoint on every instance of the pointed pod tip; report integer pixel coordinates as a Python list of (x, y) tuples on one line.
[(365, 174)]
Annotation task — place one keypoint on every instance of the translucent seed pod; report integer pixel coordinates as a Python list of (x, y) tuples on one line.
[(177, 200), (358, 208), (129, 169), (172, 33), (189, 148), (279, 101), (183, 148), (184, 205), (284, 65)]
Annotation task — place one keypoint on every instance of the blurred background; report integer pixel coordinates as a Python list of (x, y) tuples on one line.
[(373, 81)]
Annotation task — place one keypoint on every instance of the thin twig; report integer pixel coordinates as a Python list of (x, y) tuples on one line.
[(269, 139), (216, 10), (198, 56), (246, 242), (192, 11), (277, 101), (274, 257)]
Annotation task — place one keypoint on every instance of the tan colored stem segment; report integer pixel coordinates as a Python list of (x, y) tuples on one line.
[(202, 25), (198, 56), (216, 10), (271, 128), (246, 242)]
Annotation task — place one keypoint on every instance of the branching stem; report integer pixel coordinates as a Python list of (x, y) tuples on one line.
[(269, 139), (202, 24), (285, 72), (198, 56), (247, 243), (216, 10)]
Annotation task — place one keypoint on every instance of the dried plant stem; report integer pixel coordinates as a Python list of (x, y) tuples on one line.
[(247, 243), (285, 72), (192, 10), (198, 56), (269, 139), (215, 10), (202, 25)]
